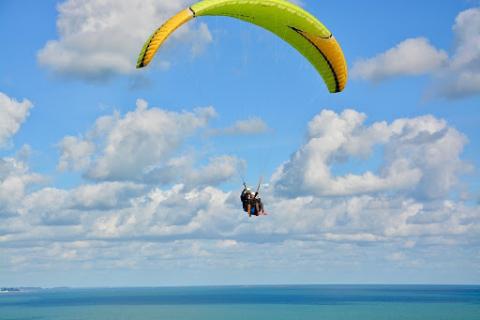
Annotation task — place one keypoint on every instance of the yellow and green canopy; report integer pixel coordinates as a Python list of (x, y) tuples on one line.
[(288, 21)]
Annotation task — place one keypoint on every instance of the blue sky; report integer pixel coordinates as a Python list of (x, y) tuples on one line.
[(115, 176)]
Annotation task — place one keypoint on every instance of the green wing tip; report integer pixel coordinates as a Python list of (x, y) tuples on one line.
[(140, 62), (141, 56)]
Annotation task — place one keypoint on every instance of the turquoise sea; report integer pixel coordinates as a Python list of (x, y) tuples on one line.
[(328, 302)]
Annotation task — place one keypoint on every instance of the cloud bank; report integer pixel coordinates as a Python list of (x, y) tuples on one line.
[(123, 219)]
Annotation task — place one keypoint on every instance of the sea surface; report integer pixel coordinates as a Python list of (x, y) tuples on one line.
[(327, 302)]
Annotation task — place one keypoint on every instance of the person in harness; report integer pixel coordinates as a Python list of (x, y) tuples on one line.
[(252, 204)]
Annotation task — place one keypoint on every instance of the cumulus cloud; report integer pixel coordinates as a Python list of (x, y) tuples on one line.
[(127, 146), (98, 39), (453, 77), (145, 145), (217, 170), (143, 138), (105, 195), (12, 114), (15, 179), (410, 57), (462, 77), (421, 157), (53, 206), (75, 153)]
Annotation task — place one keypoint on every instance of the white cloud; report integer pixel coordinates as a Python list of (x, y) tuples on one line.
[(128, 147), (15, 179), (454, 77), (462, 77), (53, 206), (12, 114), (145, 145), (105, 195), (355, 237), (98, 39), (421, 157), (162, 214), (218, 170), (410, 57), (76, 153), (467, 33), (184, 170)]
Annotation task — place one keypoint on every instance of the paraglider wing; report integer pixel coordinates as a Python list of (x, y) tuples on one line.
[(288, 21)]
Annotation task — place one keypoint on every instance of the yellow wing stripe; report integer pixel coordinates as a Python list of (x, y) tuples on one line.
[(330, 48), (161, 34)]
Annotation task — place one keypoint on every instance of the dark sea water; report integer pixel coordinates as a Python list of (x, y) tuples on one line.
[(329, 302)]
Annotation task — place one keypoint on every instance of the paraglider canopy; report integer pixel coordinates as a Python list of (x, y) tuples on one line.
[(288, 21)]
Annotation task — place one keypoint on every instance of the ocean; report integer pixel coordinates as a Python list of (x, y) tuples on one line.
[(326, 302)]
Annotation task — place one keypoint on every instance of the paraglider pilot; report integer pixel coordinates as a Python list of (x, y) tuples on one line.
[(252, 204)]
